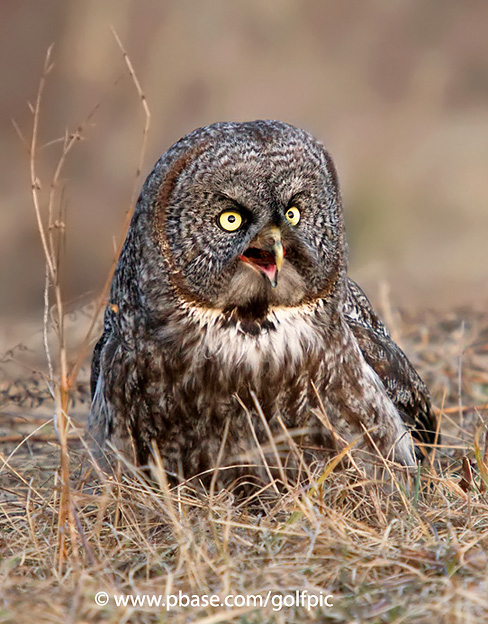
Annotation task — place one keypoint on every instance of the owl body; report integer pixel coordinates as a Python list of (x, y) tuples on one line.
[(232, 318)]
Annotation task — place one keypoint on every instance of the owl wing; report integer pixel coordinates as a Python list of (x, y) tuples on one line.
[(402, 382)]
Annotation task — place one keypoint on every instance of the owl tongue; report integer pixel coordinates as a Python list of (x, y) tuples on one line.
[(271, 273), (264, 261)]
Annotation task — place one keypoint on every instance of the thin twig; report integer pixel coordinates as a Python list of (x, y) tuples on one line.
[(102, 300)]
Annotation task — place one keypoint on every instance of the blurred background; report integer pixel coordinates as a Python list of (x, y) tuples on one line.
[(398, 92)]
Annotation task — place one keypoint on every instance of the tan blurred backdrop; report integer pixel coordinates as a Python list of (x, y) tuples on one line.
[(398, 91)]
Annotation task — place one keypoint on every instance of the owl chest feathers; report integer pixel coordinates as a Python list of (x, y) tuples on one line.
[(200, 366), (275, 348), (289, 359)]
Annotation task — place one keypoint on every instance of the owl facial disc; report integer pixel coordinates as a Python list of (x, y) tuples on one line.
[(265, 253)]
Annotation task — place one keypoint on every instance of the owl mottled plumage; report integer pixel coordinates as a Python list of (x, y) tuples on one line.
[(231, 291)]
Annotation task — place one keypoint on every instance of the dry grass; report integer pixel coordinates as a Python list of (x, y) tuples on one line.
[(420, 557)]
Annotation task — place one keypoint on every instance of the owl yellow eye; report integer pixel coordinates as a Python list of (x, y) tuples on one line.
[(292, 215), (230, 220)]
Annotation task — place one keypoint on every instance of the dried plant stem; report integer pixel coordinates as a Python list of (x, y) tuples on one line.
[(35, 183), (456, 409), (65, 518), (52, 246), (147, 114), (102, 301), (18, 437)]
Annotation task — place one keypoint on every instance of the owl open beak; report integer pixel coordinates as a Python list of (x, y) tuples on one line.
[(266, 253)]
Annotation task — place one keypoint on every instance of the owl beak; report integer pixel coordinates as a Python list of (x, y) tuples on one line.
[(266, 253)]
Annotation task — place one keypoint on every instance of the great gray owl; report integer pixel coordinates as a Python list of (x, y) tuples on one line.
[(231, 310)]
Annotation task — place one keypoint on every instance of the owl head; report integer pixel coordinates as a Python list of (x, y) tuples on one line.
[(246, 216)]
